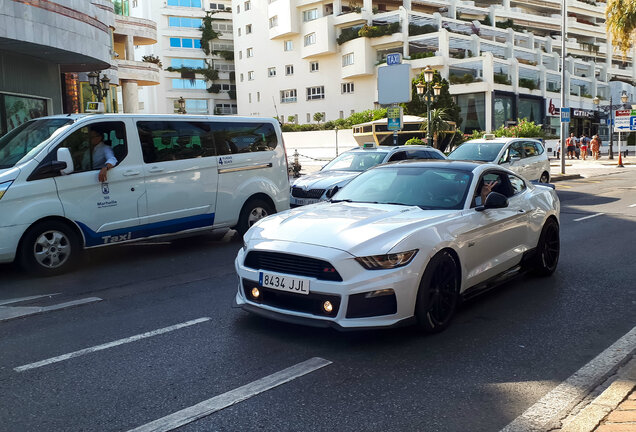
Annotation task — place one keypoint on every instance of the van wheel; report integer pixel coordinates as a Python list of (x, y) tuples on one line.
[(545, 178), (49, 248), (253, 211)]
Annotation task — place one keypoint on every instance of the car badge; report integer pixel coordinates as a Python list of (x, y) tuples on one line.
[(105, 189)]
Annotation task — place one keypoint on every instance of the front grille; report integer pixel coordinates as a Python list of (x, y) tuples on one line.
[(292, 264), (311, 193), (308, 303)]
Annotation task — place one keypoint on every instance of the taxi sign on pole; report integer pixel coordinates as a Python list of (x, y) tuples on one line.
[(394, 118), (565, 115), (393, 59)]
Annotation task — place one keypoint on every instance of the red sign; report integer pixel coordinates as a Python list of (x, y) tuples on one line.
[(620, 113)]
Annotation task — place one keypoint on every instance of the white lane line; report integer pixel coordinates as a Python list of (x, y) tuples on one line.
[(633, 205), (588, 217), (109, 345), (550, 408), (217, 403), (11, 312), (21, 299)]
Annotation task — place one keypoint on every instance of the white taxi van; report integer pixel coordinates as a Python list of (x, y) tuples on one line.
[(173, 174)]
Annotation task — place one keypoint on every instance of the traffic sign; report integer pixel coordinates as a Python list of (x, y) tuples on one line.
[(625, 120), (565, 115), (394, 118), (393, 59)]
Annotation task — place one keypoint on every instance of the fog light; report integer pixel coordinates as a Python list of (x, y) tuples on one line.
[(256, 293), (327, 306)]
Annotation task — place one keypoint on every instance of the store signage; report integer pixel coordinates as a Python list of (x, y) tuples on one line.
[(582, 113), (394, 118)]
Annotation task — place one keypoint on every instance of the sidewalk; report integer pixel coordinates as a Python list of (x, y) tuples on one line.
[(577, 168)]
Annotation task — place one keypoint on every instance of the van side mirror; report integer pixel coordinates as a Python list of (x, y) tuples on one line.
[(64, 155), (331, 192), (494, 200)]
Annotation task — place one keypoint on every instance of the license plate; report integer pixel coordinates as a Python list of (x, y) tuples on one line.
[(305, 201), (283, 283)]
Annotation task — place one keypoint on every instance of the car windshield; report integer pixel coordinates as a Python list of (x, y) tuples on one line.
[(355, 161), (425, 187), (17, 144), (477, 151)]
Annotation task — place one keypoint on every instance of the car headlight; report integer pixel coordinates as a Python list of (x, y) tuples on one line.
[(388, 261), (3, 187)]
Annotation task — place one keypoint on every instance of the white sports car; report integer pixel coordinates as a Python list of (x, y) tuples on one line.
[(401, 243)]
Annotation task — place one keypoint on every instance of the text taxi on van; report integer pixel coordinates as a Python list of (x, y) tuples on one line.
[(83, 181)]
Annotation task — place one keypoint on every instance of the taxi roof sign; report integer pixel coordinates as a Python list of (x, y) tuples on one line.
[(367, 145), (489, 136)]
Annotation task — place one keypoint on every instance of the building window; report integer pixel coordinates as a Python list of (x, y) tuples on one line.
[(222, 108), (273, 21), (249, 52), (249, 97), (347, 59), (313, 66), (289, 45), (185, 43), (238, 9), (189, 63), (247, 5), (193, 106), (250, 76), (271, 72), (187, 84), (347, 87), (288, 96), (241, 77), (310, 39), (289, 70), (341, 114), (248, 29), (308, 118), (184, 22), (240, 55), (310, 15), (315, 92), (217, 6), (239, 31), (258, 96), (185, 3)]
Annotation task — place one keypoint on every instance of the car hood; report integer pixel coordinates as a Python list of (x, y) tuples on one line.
[(9, 174), (352, 227), (325, 179)]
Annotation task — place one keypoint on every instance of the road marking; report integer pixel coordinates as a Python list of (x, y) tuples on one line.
[(21, 299), (108, 345), (12, 312), (217, 403), (633, 205), (588, 217), (562, 186), (550, 408)]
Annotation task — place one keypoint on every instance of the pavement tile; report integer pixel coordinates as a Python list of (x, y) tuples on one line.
[(628, 405), (622, 417), (617, 428)]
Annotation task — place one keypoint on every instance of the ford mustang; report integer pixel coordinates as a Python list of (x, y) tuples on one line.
[(401, 243)]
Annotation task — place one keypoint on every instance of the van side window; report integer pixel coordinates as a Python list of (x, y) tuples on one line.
[(163, 141), (530, 149), (241, 137), (92, 145)]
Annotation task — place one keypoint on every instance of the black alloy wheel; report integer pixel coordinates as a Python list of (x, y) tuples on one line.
[(545, 178), (438, 293), (548, 248)]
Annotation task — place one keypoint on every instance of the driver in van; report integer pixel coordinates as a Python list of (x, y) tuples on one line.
[(103, 156)]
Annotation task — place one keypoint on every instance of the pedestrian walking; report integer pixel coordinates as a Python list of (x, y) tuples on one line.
[(596, 147), (570, 145), (583, 147), (558, 149)]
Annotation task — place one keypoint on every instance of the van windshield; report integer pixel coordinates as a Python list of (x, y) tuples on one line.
[(15, 145)]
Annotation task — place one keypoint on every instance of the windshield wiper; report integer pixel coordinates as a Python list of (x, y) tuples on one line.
[(342, 200), (397, 203)]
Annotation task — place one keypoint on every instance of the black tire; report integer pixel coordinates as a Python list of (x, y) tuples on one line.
[(253, 210), (49, 248), (547, 253), (545, 177), (438, 294)]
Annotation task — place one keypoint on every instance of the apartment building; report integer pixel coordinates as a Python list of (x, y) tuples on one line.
[(179, 50), (501, 57)]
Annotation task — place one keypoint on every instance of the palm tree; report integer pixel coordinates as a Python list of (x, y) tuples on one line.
[(440, 125), (620, 18)]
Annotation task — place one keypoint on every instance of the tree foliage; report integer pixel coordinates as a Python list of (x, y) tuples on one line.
[(620, 19), (417, 106)]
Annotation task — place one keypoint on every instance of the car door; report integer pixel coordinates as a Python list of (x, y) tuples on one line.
[(512, 158), (494, 235), (181, 178), (532, 160), (106, 212)]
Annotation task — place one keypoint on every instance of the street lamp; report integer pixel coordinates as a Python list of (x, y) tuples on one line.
[(181, 101), (99, 89), (597, 101), (425, 89)]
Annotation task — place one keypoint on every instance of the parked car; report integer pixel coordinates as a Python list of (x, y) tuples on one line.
[(399, 244), (169, 174), (527, 157), (313, 188)]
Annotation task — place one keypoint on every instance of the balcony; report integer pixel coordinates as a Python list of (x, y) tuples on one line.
[(579, 26), (143, 31), (325, 37), (364, 58), (144, 73), (283, 19)]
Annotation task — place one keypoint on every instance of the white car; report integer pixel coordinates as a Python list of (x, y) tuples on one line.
[(526, 157), (401, 243), (311, 188)]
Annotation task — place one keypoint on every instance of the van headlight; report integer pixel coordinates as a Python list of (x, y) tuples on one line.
[(3, 187), (388, 261)]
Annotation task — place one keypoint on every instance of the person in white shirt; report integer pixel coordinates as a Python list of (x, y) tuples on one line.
[(103, 156)]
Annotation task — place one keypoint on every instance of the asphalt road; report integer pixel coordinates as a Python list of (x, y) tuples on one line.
[(503, 352)]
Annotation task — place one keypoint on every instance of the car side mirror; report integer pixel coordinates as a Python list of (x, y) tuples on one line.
[(494, 200), (47, 170), (64, 155), (514, 159), (331, 192)]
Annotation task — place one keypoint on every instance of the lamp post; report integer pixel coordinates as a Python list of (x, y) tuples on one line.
[(429, 98), (597, 102), (181, 101), (99, 86)]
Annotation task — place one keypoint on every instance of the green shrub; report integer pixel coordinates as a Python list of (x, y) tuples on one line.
[(528, 83), (501, 78), (463, 79), (415, 141), (415, 29), (422, 54), (348, 34)]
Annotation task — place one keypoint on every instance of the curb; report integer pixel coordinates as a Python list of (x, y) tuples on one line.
[(564, 177), (590, 417)]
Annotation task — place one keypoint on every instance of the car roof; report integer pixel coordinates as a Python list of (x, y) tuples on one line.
[(503, 140), (388, 149), (468, 166)]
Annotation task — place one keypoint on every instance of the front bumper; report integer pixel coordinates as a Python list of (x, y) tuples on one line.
[(9, 239), (364, 299)]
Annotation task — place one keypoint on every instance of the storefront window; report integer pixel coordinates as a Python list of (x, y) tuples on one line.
[(503, 110), (473, 111), (530, 109), (16, 110)]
